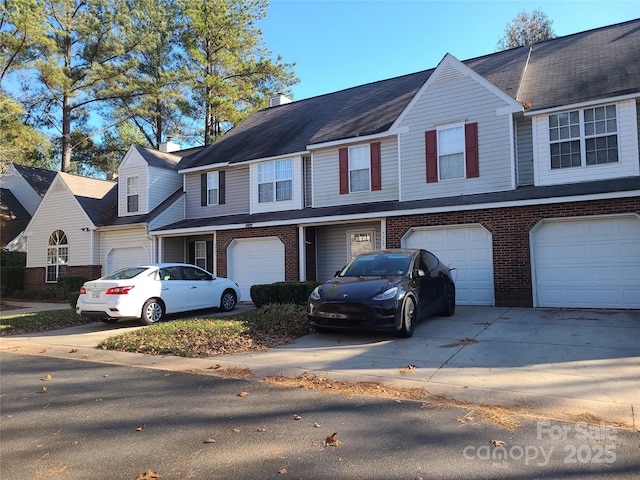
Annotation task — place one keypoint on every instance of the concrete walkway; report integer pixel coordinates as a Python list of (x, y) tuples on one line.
[(572, 365)]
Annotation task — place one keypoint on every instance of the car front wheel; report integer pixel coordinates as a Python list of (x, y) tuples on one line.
[(228, 300), (408, 317), (152, 311)]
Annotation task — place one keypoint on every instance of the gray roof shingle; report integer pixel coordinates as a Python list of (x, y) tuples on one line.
[(589, 65)]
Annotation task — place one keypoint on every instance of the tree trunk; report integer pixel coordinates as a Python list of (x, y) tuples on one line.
[(66, 134)]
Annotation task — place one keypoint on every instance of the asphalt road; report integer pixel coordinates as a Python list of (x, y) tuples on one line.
[(102, 421)]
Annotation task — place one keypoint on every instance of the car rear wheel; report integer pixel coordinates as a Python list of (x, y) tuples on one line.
[(228, 300), (152, 311), (408, 317), (448, 300)]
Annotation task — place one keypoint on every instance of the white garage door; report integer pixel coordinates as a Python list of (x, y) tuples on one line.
[(588, 263), (124, 257), (467, 248), (255, 261)]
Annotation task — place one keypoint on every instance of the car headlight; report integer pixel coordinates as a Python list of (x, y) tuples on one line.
[(391, 293), (315, 295)]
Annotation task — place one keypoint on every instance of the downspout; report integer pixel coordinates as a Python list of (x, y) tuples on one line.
[(302, 254)]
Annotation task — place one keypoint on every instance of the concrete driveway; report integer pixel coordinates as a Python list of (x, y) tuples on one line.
[(563, 364)]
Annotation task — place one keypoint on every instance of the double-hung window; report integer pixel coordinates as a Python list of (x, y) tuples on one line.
[(275, 181), (359, 168), (201, 254), (213, 187), (57, 256), (583, 137), (451, 147), (132, 194)]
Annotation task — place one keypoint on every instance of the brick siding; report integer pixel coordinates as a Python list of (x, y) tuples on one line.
[(510, 229)]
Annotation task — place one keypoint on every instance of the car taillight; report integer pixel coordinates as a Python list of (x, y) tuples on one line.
[(118, 290), (83, 291)]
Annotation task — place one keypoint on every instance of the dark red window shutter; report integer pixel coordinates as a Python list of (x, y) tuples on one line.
[(376, 170), (221, 187), (431, 147), (203, 189), (343, 155), (471, 146)]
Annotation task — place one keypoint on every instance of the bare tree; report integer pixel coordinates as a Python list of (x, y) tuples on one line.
[(525, 29)]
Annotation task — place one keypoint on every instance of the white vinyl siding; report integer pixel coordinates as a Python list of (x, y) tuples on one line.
[(236, 194), (48, 219), (173, 213), (332, 246), (139, 171), (12, 180), (457, 98), (130, 243), (627, 165), (162, 183), (326, 177), (155, 184)]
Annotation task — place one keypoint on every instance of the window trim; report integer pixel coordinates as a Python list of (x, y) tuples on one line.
[(275, 181), (463, 150), (57, 250), (131, 195), (213, 175), (202, 244), (582, 137)]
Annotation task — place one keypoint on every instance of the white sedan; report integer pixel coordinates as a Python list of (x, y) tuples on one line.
[(150, 291)]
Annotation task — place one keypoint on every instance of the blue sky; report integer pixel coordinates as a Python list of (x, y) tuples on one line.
[(338, 44)]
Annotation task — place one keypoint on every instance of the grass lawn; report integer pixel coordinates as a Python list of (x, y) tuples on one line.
[(266, 327), (19, 323)]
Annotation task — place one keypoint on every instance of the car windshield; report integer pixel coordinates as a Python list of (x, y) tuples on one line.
[(125, 273), (378, 265)]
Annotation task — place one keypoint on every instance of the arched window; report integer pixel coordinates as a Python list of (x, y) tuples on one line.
[(57, 256)]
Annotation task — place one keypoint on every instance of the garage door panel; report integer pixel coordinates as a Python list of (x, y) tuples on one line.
[(124, 257), (468, 249), (255, 262), (588, 263)]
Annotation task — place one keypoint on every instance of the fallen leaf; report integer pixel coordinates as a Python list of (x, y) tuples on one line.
[(282, 471), (498, 443), (215, 367), (331, 440), (148, 475), (243, 394), (73, 350), (261, 429), (235, 430), (459, 343), (46, 378), (139, 429), (317, 425), (210, 440), (44, 390), (297, 417)]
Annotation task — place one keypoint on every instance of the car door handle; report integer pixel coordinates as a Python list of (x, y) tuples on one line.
[(192, 286)]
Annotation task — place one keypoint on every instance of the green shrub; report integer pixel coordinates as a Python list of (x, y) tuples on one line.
[(68, 288), (282, 293), (12, 266)]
